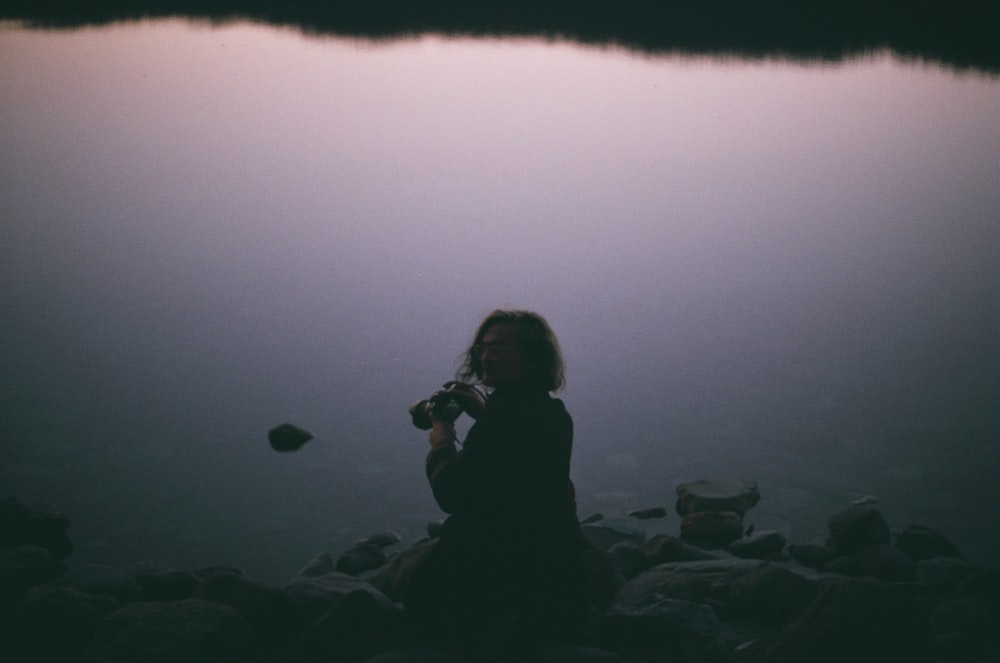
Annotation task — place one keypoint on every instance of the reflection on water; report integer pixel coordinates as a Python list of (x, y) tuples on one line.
[(765, 270)]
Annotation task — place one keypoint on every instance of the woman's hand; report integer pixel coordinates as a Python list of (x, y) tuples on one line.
[(468, 397)]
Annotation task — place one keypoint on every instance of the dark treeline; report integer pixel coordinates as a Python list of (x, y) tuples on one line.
[(957, 33)]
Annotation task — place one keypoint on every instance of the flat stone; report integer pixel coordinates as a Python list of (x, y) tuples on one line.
[(716, 495)]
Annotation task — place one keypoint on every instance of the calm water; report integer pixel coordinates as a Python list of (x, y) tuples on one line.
[(768, 270)]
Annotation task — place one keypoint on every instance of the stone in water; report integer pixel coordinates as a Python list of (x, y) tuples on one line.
[(288, 437)]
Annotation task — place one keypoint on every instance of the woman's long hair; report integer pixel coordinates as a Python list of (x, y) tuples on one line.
[(539, 347)]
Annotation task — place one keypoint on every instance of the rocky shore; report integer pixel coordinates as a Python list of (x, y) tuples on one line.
[(715, 592)]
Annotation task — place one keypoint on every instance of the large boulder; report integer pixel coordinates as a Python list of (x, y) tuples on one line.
[(856, 619), (759, 545), (770, 595), (885, 562), (102, 581), (55, 624), (318, 595), (362, 556), (21, 525), (712, 529), (700, 582), (272, 613), (356, 628), (192, 630), (854, 528), (716, 495), (161, 582), (919, 543), (606, 532), (27, 565)]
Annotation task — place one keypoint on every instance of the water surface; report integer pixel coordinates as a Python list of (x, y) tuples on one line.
[(760, 269)]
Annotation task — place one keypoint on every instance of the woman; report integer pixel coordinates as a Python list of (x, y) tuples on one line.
[(507, 570)]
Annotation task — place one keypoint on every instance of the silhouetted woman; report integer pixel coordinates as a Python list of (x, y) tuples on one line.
[(507, 573)]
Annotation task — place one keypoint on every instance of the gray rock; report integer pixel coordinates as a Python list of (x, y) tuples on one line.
[(885, 562), (699, 582), (288, 437), (943, 573), (21, 525), (648, 514), (920, 542), (160, 582), (55, 623), (272, 614), (103, 581), (853, 529), (360, 557), (384, 539), (813, 556), (628, 559), (664, 548), (655, 619), (855, 619), (771, 595), (361, 625), (191, 630), (26, 565), (973, 617), (605, 533), (319, 565), (712, 529), (981, 583), (393, 577), (716, 495), (319, 595), (760, 545)]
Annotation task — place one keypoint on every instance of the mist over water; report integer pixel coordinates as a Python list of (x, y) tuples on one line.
[(761, 269)]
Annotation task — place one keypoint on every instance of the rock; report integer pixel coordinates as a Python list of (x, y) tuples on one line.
[(981, 584), (811, 555), (961, 615), (657, 620), (592, 518), (272, 614), (699, 582), (360, 557), (920, 542), (160, 582), (712, 529), (393, 577), (759, 546), (361, 625), (664, 548), (857, 527), (319, 595), (771, 595), (434, 529), (319, 565), (885, 562), (943, 573), (649, 514), (716, 495), (26, 565), (190, 630), (846, 566), (288, 437), (628, 559), (855, 619), (384, 539), (606, 533), (102, 581), (56, 623), (21, 525), (572, 654)]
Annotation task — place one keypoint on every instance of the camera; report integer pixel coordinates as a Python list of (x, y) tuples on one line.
[(442, 404)]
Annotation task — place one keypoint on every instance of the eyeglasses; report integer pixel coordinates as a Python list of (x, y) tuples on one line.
[(492, 351)]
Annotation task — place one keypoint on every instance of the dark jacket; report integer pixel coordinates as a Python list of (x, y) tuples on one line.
[(512, 543)]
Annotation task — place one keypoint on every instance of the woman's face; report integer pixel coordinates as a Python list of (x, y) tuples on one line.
[(500, 355)]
